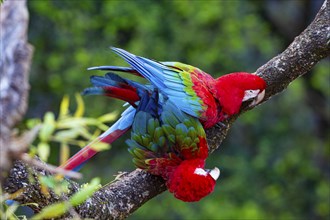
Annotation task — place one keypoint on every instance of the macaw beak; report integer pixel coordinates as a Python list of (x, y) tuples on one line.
[(215, 173), (258, 99), (256, 95)]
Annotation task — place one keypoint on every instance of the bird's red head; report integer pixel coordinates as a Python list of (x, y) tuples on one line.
[(234, 88), (189, 182)]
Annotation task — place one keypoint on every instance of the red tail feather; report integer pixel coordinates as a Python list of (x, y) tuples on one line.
[(128, 94), (87, 152)]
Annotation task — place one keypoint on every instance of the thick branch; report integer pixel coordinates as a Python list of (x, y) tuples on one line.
[(15, 61), (130, 191), (115, 200)]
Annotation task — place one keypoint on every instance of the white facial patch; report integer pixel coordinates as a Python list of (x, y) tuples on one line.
[(250, 94), (215, 173), (200, 171)]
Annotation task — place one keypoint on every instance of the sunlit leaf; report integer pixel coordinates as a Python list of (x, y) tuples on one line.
[(48, 126), (54, 210), (85, 192), (30, 204), (64, 108), (43, 150), (32, 122), (55, 184), (58, 209), (76, 122), (103, 127), (100, 146), (65, 135), (33, 150), (9, 211), (64, 152), (80, 106), (108, 117), (84, 133)]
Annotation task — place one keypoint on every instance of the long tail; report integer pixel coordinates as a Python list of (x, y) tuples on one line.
[(114, 86), (109, 136)]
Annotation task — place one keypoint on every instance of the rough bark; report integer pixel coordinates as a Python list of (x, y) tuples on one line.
[(120, 198), (15, 62)]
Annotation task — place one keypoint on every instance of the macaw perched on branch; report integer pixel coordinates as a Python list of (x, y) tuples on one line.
[(170, 143), (193, 91)]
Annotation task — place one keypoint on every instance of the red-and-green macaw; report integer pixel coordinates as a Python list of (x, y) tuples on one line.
[(169, 143), (193, 91)]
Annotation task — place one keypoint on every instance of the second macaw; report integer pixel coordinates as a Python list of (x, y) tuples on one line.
[(193, 91)]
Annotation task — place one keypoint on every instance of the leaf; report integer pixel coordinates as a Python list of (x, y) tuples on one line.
[(48, 126), (54, 183), (80, 106), (9, 211), (108, 117), (86, 192), (43, 150), (64, 152), (65, 135), (100, 146), (64, 108), (31, 123), (84, 133), (54, 210), (76, 122), (33, 150)]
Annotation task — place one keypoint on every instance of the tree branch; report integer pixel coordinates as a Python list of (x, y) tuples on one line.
[(129, 191)]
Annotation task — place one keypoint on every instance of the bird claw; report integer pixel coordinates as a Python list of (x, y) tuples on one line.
[(221, 125)]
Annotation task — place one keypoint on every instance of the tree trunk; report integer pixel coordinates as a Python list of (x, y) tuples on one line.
[(15, 61)]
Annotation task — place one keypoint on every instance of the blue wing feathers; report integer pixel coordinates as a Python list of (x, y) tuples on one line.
[(102, 81), (143, 66), (113, 68), (115, 77), (123, 123), (167, 80), (93, 91)]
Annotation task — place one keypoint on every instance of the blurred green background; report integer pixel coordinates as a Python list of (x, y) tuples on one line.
[(275, 161)]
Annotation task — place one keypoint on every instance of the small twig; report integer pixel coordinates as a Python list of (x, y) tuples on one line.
[(19, 145), (50, 168)]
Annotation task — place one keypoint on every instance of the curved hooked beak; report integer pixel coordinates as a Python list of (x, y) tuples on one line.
[(259, 98), (215, 173), (256, 95)]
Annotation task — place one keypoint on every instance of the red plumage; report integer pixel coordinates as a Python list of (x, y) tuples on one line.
[(230, 90), (128, 94), (189, 182)]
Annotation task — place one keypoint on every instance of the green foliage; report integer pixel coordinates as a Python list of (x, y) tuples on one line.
[(55, 183), (7, 212), (60, 208), (274, 163), (68, 130)]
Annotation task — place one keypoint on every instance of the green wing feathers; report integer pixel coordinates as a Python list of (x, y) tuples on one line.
[(164, 141)]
